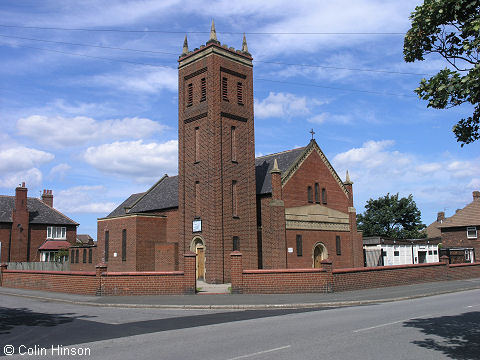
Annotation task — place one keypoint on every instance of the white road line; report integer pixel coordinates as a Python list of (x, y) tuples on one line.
[(390, 323), (470, 306), (260, 352)]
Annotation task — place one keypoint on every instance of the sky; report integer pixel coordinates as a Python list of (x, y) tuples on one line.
[(89, 106)]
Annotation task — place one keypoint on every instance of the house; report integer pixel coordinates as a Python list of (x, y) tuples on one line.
[(459, 232), (380, 251), (284, 210), (31, 229)]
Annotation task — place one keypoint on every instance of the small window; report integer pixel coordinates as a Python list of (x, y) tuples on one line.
[(435, 252), (236, 243), (240, 93), (471, 232), (72, 257), (77, 255), (338, 243), (90, 256), (317, 194), (190, 94), (234, 199), (107, 236), (56, 232), (197, 144), (84, 256), (467, 255), (324, 196), (310, 194), (204, 89), (234, 143), (430, 252), (396, 253), (124, 245), (299, 245), (197, 197), (224, 89)]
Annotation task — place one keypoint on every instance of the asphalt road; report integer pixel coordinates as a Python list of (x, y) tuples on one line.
[(438, 327)]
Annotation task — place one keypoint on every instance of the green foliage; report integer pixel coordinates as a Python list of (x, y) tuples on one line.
[(450, 28), (391, 217), (61, 254)]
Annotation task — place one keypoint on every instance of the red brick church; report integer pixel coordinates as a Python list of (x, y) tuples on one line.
[(284, 210)]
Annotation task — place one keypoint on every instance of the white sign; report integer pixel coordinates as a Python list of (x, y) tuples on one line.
[(114, 254), (197, 225), (290, 250)]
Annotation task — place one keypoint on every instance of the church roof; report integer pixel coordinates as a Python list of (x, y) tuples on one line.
[(39, 212), (164, 194)]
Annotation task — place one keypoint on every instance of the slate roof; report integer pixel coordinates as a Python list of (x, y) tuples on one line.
[(164, 194), (468, 216), (40, 213), (84, 239), (433, 229)]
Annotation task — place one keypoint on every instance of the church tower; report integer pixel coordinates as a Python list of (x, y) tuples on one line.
[(216, 157)]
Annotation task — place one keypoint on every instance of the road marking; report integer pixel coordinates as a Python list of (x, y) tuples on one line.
[(390, 323), (470, 306), (260, 353)]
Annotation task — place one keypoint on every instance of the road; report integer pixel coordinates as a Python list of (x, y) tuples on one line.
[(438, 327)]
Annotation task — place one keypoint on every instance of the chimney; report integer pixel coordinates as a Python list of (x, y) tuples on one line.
[(476, 195), (47, 197), (440, 216), (19, 250), (21, 197)]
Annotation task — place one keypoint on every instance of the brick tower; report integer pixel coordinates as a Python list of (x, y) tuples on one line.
[(216, 157)]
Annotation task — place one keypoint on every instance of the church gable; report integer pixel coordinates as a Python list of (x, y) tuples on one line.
[(312, 179)]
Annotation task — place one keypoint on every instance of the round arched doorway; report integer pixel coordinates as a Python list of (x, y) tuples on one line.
[(198, 247), (319, 253)]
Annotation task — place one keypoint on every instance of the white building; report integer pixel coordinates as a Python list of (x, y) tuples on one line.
[(380, 251)]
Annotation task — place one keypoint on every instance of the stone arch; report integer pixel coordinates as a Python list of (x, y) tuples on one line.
[(319, 253)]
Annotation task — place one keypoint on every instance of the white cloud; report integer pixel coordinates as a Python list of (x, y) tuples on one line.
[(134, 159), (59, 171), (31, 177), (21, 158), (145, 81), (281, 105), (83, 199), (59, 131), (327, 117)]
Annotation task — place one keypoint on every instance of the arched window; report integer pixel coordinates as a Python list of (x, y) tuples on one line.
[(324, 196), (310, 194)]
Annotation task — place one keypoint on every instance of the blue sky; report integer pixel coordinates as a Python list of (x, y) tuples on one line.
[(95, 124)]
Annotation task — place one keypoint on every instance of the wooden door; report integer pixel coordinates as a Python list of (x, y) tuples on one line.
[(317, 257), (200, 262)]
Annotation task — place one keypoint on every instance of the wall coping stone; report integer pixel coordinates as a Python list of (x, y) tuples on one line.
[(465, 264), (143, 273), (283, 271), (40, 272), (382, 268)]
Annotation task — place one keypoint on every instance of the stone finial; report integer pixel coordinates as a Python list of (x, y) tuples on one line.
[(347, 179), (244, 45), (185, 46), (275, 167), (213, 34)]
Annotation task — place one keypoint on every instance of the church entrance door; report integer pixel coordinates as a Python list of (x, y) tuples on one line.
[(319, 254), (200, 250)]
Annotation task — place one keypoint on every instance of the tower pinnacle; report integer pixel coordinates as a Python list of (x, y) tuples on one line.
[(244, 45), (213, 34), (185, 46)]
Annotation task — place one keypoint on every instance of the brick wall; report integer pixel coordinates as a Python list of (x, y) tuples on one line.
[(5, 229), (166, 257), (457, 237)]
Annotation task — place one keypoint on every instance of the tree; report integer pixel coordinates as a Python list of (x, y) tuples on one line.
[(450, 28), (391, 217)]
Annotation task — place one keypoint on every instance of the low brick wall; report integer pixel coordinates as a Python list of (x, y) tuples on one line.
[(103, 282), (74, 282), (280, 281)]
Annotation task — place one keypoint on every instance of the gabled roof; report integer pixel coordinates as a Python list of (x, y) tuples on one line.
[(468, 216), (164, 194), (84, 239), (40, 213), (433, 230)]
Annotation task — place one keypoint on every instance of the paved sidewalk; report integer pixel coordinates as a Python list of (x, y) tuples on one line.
[(243, 301)]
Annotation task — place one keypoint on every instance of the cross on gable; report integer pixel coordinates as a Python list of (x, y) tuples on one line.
[(312, 132)]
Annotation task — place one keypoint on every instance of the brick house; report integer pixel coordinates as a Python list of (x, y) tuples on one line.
[(31, 229), (459, 232), (284, 210)]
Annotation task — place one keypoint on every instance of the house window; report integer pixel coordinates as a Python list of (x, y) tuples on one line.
[(299, 245), (324, 196), (56, 232), (89, 256), (107, 236), (234, 199), (317, 194), (197, 144), (77, 255), (224, 89), (204, 89), (471, 232), (197, 197), (310, 194), (430, 252), (190, 94), (435, 252), (124, 245), (240, 93), (233, 134), (396, 253), (236, 243), (338, 243)]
